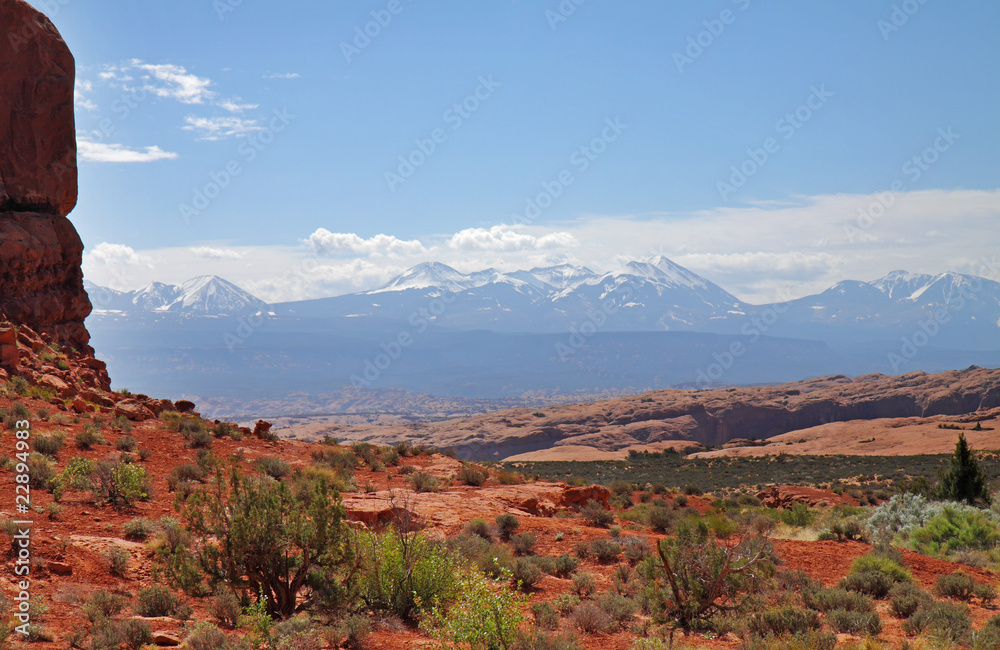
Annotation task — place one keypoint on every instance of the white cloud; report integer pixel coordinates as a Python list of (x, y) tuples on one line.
[(174, 82), (285, 75), (233, 106), (80, 91), (217, 128), (116, 255), (508, 238), (208, 252), (103, 152), (325, 242)]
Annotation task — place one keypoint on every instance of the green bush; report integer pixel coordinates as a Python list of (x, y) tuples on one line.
[(799, 515), (205, 636), (103, 604), (956, 528), (473, 474), (49, 444), (480, 528), (126, 443), (506, 525), (605, 551), (618, 607), (783, 620), (596, 514), (353, 629), (661, 518), (89, 437), (854, 622), (135, 634), (546, 615), (404, 573), (955, 585), (259, 535), (156, 600), (949, 620), (584, 584), (120, 484), (523, 543), (225, 607), (40, 470), (873, 583), (424, 482), (200, 439), (565, 565), (490, 558), (139, 528), (825, 600), (964, 480), (905, 598), (276, 468), (483, 614), (525, 574), (117, 559)]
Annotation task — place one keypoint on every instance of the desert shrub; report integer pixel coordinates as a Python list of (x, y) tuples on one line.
[(222, 429), (874, 575), (49, 444), (596, 514), (618, 607), (783, 620), (535, 639), (955, 585), (482, 614), (145, 453), (636, 549), (692, 490), (40, 470), (126, 443), (848, 528), (186, 472), (424, 482), (135, 634), (120, 484), (54, 510), (508, 478), (352, 631), (525, 574), (337, 459), (490, 558), (260, 536), (90, 437), (297, 633), (200, 439), (103, 604), (565, 603), (704, 577), (205, 636), (473, 474), (225, 607), (721, 526), (854, 622), (825, 600), (901, 513), (276, 468), (139, 528), (121, 423), (799, 515), (117, 559), (605, 551), (478, 527), (404, 573), (546, 615), (905, 598), (948, 620), (506, 525), (156, 600), (590, 618), (661, 518), (956, 528), (565, 565), (523, 543), (584, 584)]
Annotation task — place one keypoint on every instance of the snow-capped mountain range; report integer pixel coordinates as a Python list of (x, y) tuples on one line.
[(652, 295), (205, 295)]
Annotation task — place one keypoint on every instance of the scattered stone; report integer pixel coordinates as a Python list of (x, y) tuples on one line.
[(166, 639)]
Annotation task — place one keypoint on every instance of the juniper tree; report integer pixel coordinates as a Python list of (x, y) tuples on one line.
[(964, 480)]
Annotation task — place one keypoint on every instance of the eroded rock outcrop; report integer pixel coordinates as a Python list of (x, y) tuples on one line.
[(41, 283)]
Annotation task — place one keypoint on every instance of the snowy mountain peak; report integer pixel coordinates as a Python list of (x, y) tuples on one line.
[(427, 275), (900, 285), (204, 295)]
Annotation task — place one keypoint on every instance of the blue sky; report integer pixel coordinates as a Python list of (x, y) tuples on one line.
[(824, 103)]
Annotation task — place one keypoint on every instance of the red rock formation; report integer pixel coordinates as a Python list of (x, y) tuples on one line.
[(40, 250)]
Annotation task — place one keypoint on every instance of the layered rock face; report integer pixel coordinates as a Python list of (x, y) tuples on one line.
[(41, 283)]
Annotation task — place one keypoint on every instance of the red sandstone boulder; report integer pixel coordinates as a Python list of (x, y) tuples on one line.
[(38, 147), (579, 496), (133, 410)]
